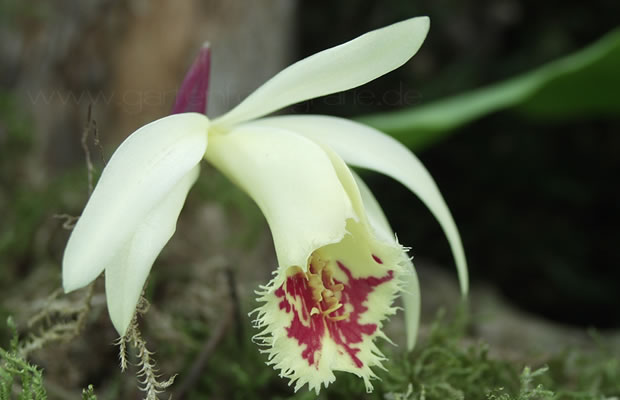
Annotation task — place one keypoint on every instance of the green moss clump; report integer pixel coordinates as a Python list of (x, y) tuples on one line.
[(17, 375), (89, 393), (446, 366)]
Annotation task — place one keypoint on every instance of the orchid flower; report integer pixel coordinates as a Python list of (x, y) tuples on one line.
[(339, 265)]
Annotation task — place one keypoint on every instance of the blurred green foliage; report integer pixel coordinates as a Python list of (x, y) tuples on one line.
[(25, 204), (585, 83), (16, 11), (15, 204)]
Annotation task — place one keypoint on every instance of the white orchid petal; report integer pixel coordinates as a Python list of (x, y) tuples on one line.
[(411, 289), (376, 216), (333, 70), (293, 182), (140, 174), (127, 273), (411, 297), (362, 146)]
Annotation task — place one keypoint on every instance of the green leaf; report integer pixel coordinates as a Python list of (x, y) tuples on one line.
[(585, 83)]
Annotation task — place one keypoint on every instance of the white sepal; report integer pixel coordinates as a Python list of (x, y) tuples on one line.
[(144, 169), (339, 68)]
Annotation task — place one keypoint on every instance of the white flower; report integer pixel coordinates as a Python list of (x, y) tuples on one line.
[(339, 265)]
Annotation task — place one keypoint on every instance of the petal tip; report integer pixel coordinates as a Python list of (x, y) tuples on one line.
[(72, 279), (420, 25), (192, 96), (121, 324), (67, 286)]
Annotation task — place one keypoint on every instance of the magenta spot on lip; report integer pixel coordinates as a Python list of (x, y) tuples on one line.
[(192, 96), (377, 259), (343, 332)]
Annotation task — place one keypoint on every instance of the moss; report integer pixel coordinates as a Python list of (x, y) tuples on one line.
[(17, 375), (444, 367), (89, 393)]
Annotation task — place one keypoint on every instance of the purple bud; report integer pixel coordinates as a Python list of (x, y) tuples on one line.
[(192, 96)]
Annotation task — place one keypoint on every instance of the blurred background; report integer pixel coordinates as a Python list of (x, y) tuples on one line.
[(532, 182), (536, 199)]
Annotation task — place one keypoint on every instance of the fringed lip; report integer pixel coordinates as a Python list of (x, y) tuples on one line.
[(327, 319)]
